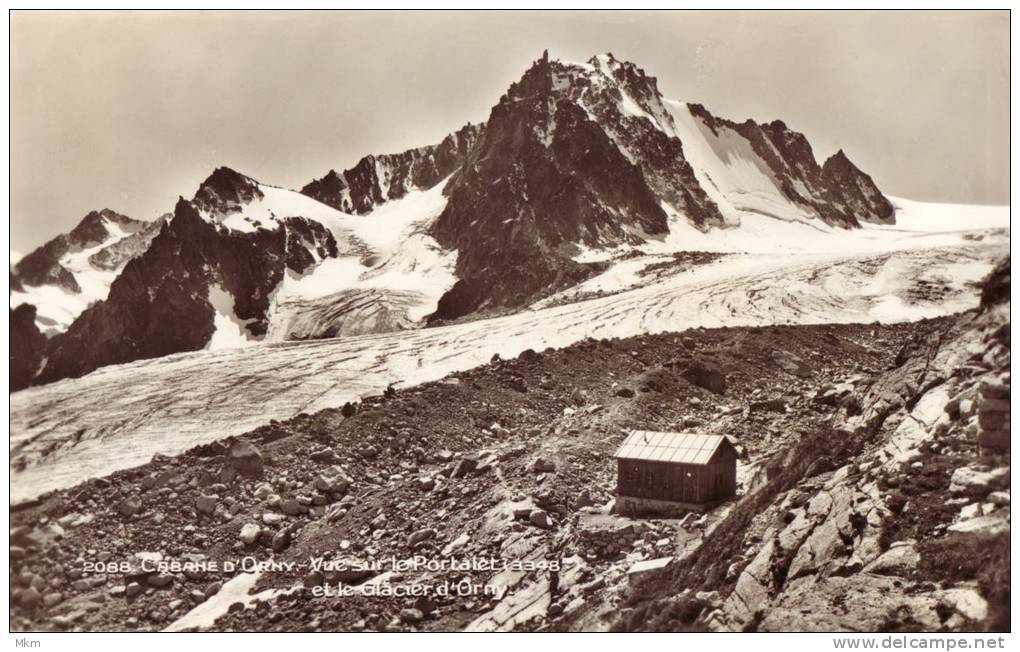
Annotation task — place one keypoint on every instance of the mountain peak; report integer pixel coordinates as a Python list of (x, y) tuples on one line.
[(225, 191), (93, 227)]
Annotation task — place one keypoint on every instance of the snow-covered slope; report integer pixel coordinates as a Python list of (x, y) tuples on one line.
[(61, 435), (729, 170), (392, 270), (69, 273), (387, 273)]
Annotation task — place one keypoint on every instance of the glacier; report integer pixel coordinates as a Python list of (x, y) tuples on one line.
[(120, 416)]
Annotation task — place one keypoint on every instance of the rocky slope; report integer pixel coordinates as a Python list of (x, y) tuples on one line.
[(510, 460), (900, 522), (576, 163)]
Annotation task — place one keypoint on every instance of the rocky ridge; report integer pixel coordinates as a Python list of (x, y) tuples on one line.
[(43, 266), (377, 179), (575, 157)]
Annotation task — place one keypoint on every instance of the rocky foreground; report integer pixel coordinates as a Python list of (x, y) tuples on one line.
[(866, 501)]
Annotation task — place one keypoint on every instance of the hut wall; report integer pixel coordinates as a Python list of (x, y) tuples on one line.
[(688, 483)]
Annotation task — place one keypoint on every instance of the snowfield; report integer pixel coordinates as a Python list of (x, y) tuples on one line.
[(120, 416)]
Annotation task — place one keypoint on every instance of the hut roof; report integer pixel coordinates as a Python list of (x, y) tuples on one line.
[(678, 447)]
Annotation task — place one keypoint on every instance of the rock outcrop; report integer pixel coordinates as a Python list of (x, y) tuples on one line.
[(28, 346), (160, 303)]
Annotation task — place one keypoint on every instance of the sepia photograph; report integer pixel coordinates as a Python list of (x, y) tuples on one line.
[(437, 321)]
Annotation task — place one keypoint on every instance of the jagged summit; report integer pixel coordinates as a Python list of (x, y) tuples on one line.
[(225, 191), (857, 189), (98, 226)]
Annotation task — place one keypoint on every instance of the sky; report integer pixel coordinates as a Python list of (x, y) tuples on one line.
[(129, 110)]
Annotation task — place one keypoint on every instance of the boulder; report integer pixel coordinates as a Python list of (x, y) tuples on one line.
[(418, 536), (333, 481), (770, 405), (246, 459), (206, 504), (324, 456), (791, 364), (967, 602), (464, 466), (706, 376), (282, 539), (292, 507), (1000, 498), (250, 533), (543, 465), (540, 518), (900, 559), (972, 482), (30, 598), (425, 483), (130, 506)]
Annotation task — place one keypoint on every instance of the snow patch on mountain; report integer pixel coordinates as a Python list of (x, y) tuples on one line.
[(230, 330), (395, 259)]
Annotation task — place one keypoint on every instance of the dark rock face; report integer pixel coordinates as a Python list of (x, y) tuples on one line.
[(376, 179), (838, 193), (28, 346), (226, 191), (644, 132), (42, 266), (92, 229), (159, 304), (995, 286), (858, 190), (123, 250), (547, 174)]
